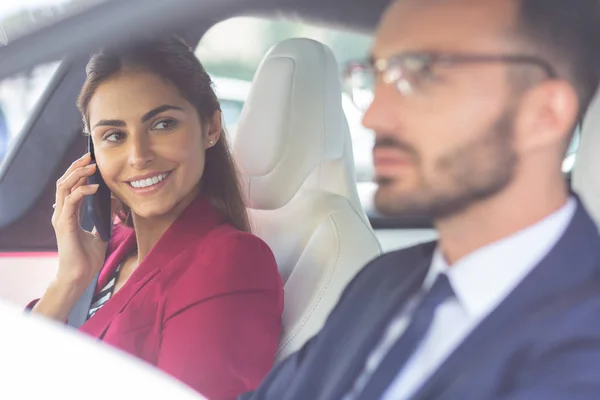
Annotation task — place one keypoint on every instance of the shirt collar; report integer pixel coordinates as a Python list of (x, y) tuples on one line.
[(482, 279)]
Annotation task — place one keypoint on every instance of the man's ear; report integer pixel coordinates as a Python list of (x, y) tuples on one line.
[(546, 115), (214, 129)]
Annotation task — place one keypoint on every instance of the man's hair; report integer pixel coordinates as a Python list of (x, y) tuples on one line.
[(567, 34)]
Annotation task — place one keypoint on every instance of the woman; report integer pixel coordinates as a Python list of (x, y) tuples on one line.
[(185, 286)]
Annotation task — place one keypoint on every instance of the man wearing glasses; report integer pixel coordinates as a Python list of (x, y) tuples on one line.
[(472, 103)]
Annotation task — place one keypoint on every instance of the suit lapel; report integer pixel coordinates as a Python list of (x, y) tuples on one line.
[(99, 323), (549, 281), (194, 222), (403, 279), (122, 242)]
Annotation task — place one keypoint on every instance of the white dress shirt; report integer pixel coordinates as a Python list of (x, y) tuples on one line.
[(481, 281)]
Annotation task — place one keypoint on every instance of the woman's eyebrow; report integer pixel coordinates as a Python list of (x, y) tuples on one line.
[(120, 123), (109, 122), (158, 110)]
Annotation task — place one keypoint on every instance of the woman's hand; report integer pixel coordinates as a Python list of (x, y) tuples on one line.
[(80, 253)]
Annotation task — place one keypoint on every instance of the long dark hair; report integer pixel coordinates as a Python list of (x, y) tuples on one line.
[(172, 59)]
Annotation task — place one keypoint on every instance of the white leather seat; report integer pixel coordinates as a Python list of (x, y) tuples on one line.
[(294, 153), (586, 171)]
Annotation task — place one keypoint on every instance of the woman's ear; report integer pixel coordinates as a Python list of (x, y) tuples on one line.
[(214, 130)]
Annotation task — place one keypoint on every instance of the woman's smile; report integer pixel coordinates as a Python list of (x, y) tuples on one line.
[(148, 183)]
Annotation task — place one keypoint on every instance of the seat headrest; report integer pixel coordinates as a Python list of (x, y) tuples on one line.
[(291, 123), (585, 176)]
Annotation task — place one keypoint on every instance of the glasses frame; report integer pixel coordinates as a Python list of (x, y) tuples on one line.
[(382, 65)]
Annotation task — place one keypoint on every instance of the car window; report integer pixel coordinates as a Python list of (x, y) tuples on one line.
[(21, 17), (232, 93), (231, 110), (19, 95), (232, 63)]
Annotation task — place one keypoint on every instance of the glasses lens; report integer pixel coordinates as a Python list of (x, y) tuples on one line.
[(358, 84)]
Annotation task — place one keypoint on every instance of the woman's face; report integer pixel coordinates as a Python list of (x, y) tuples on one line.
[(149, 142)]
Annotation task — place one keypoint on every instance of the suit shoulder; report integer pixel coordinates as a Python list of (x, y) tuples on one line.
[(575, 314), (227, 234), (418, 250), (228, 245), (388, 263), (229, 258), (228, 262), (409, 255)]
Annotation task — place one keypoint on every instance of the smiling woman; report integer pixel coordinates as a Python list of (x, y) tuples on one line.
[(198, 111), (184, 285), (175, 132)]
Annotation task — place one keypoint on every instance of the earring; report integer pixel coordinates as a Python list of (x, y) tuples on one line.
[(211, 142)]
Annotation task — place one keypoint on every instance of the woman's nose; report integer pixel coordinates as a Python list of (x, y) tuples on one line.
[(140, 152)]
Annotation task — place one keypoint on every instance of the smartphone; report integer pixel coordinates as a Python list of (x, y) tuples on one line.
[(98, 205)]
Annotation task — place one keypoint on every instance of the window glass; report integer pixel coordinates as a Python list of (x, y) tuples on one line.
[(19, 95), (21, 17), (232, 94), (232, 64)]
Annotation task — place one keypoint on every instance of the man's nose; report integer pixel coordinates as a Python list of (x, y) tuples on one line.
[(384, 110)]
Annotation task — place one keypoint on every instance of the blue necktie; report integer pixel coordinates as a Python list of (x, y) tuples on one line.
[(405, 346)]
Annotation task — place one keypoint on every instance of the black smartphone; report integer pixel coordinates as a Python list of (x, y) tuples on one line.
[(98, 205)]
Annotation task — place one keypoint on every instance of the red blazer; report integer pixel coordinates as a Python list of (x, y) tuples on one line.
[(205, 305)]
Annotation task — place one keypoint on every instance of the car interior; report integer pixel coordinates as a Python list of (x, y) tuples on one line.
[(294, 151), (292, 146)]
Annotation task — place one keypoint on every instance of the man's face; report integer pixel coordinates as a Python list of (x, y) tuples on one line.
[(449, 143)]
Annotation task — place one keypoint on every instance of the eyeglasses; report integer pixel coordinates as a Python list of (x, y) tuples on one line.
[(408, 72)]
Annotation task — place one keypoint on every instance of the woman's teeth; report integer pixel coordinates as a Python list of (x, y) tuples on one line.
[(143, 183)]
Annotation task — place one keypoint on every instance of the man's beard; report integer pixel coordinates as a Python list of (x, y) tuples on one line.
[(471, 173)]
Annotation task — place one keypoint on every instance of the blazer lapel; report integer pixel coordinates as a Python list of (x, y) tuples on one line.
[(194, 222), (99, 323), (569, 265), (400, 283), (123, 243)]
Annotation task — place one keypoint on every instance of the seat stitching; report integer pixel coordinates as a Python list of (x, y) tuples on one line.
[(322, 291)]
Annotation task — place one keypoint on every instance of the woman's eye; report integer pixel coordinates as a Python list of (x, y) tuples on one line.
[(114, 137), (165, 124)]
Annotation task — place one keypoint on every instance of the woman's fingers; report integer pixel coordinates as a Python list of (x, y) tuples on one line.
[(70, 207), (82, 181), (81, 162), (70, 183), (72, 203)]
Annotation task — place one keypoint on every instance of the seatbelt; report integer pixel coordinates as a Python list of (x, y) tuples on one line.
[(80, 312)]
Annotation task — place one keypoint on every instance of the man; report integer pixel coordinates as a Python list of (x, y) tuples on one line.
[(473, 109)]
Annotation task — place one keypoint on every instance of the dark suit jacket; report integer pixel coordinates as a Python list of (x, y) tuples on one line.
[(205, 305), (542, 342)]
